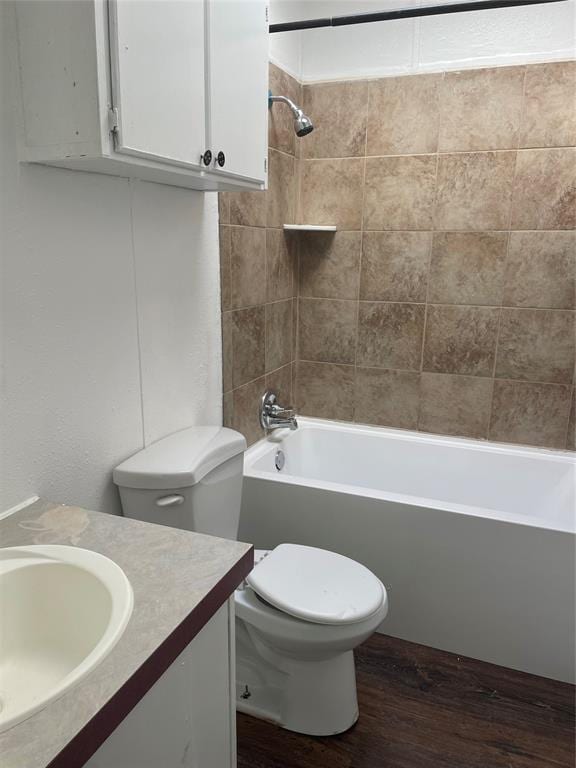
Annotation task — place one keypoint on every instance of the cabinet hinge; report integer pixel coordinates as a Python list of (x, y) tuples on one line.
[(266, 14), (265, 165), (113, 119)]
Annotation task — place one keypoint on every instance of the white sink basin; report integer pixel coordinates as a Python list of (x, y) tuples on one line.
[(62, 610)]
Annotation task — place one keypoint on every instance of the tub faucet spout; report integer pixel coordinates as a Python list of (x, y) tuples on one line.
[(275, 416)]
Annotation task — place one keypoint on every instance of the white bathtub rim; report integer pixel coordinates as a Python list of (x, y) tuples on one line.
[(258, 449), (263, 446)]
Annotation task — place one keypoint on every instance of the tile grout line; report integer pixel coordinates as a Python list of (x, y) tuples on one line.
[(507, 255), (362, 211), (527, 382), (515, 308), (424, 328), (439, 102), (441, 153), (296, 271), (567, 435), (404, 229)]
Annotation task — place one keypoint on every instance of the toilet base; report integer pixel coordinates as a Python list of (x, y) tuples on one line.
[(317, 697)]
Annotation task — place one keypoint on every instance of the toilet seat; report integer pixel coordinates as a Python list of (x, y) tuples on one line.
[(316, 585)]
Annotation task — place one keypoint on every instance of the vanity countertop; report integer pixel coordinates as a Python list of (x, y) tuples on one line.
[(179, 578)]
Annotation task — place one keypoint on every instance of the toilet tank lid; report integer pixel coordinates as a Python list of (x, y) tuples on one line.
[(181, 459)]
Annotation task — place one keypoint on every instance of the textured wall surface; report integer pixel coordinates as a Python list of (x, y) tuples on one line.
[(506, 36), (445, 302), (110, 323)]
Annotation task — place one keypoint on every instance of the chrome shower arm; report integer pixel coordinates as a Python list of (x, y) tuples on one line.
[(286, 100)]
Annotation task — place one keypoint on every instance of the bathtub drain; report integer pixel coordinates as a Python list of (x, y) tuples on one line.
[(279, 460)]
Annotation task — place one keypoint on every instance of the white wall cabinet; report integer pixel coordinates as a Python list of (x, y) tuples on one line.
[(173, 91), (188, 718)]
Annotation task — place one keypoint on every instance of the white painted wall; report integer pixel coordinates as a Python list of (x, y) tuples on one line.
[(479, 39), (110, 318), (286, 47)]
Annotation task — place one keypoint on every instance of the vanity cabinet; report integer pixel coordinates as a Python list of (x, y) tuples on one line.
[(173, 91), (188, 718)]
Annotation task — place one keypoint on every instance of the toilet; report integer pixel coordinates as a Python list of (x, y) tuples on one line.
[(301, 611)]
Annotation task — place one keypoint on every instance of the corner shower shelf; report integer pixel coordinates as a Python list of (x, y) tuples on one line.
[(309, 228)]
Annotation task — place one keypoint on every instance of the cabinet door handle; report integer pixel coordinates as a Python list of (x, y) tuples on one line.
[(206, 157), (221, 159)]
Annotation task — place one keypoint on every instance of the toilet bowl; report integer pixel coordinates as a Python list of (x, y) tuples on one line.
[(297, 672), (301, 611)]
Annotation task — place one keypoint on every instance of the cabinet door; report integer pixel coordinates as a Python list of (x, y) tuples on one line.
[(188, 718), (158, 71), (238, 85)]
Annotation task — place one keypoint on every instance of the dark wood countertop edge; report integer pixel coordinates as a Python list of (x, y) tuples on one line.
[(96, 731)]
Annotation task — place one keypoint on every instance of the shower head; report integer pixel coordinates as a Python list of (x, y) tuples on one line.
[(302, 123)]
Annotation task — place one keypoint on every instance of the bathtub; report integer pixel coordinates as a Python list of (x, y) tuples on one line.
[(475, 541)]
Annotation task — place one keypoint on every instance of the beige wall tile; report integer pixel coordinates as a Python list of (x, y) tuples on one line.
[(280, 197), (545, 189), (400, 192), (280, 121), (481, 109), (225, 268), (536, 345), (455, 405), (541, 270), (280, 381), (327, 330), (246, 410), (387, 398), (338, 111), (460, 340), (331, 192), (325, 391), (374, 348), (278, 334), (549, 105), (467, 268), (224, 207), (228, 409), (281, 264), (571, 437), (474, 190), (403, 115), (247, 266), (248, 342), (227, 351), (533, 414), (330, 264), (248, 208), (390, 335), (395, 266)]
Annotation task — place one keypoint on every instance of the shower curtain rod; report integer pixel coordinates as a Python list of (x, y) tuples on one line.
[(402, 13)]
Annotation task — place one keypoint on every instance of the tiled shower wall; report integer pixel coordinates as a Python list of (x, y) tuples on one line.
[(259, 276), (445, 302)]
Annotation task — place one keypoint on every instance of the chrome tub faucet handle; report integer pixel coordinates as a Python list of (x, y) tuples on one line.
[(275, 416)]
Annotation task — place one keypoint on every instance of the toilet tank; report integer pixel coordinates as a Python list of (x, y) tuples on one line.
[(191, 479)]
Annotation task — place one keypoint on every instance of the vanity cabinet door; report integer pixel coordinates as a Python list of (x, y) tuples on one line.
[(238, 87), (158, 73), (187, 719)]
